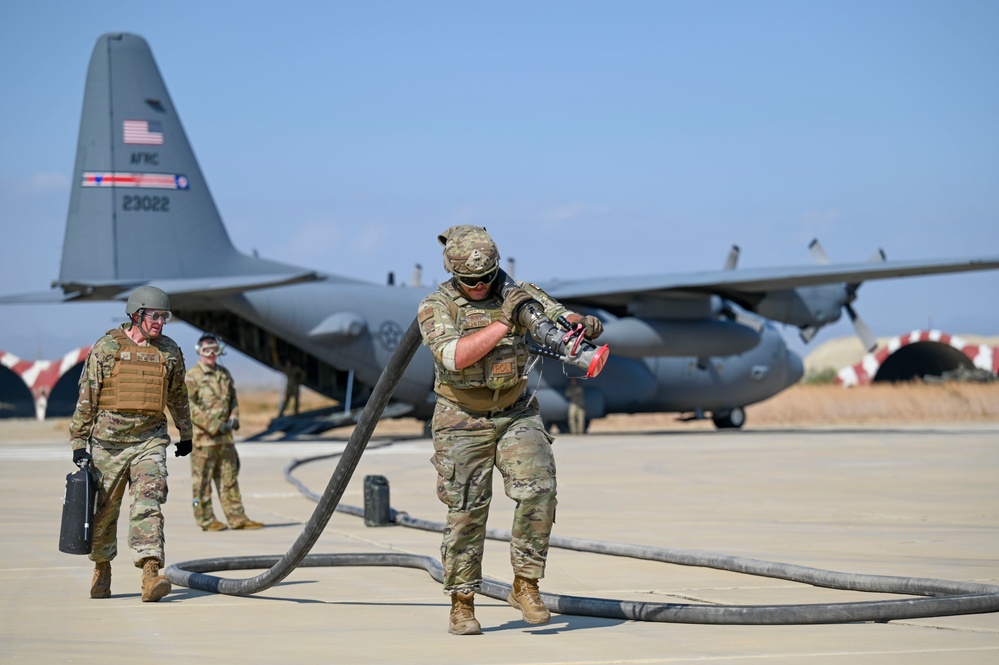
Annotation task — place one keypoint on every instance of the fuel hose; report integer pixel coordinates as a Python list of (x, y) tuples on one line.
[(935, 597)]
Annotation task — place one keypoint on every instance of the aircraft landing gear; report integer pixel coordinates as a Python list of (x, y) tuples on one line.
[(735, 418)]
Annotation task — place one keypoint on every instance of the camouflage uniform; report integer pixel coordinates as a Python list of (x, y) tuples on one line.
[(292, 388), (129, 449), (576, 396), (483, 418), (212, 395)]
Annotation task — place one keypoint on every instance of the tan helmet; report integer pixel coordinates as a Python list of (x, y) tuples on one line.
[(469, 251), (147, 297)]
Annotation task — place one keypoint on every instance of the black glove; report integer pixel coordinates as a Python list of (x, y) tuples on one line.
[(224, 427), (81, 455), (515, 299), (183, 448), (234, 424), (594, 326)]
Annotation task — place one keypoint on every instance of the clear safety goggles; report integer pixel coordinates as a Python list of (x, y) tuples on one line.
[(163, 315), (473, 282), (210, 350)]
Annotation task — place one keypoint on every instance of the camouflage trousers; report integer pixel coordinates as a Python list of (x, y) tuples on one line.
[(142, 468), (467, 447), (218, 465), (577, 419)]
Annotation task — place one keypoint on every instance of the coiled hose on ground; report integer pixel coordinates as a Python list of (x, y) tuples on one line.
[(939, 597)]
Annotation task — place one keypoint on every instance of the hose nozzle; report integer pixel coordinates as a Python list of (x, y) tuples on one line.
[(563, 340)]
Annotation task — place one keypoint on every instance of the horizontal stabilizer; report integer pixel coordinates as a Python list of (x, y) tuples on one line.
[(51, 297), (201, 287)]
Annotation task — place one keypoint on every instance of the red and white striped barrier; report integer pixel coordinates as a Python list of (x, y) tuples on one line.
[(982, 356), (41, 376)]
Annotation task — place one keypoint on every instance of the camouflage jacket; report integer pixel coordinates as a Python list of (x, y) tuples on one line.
[(212, 394), (116, 427), (446, 315)]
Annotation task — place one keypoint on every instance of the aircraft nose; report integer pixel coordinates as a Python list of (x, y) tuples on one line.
[(795, 368)]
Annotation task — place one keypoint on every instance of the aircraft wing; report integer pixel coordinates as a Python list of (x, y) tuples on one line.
[(747, 283), (217, 287)]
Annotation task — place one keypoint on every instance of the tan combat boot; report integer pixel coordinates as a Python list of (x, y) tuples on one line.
[(101, 586), (215, 525), (524, 595), (248, 524), (463, 621), (154, 585)]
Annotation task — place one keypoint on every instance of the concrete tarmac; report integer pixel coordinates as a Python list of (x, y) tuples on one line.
[(889, 501)]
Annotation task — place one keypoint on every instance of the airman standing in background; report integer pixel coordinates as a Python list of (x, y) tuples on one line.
[(576, 396), (215, 413), (292, 387), (130, 376)]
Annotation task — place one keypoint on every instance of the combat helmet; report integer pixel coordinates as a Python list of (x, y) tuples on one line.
[(147, 297), (469, 251)]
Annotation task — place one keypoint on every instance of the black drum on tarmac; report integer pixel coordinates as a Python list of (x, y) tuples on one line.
[(77, 533), (376, 501)]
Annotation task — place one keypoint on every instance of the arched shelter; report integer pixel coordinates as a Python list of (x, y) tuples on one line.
[(919, 354)]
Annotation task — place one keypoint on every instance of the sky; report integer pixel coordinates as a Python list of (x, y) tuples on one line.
[(589, 138)]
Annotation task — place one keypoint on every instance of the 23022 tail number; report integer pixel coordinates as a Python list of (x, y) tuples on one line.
[(137, 203)]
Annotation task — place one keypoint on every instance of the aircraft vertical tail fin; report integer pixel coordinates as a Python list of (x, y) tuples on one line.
[(140, 209)]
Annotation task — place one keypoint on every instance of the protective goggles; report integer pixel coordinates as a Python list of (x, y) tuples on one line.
[(473, 282), (210, 350), (158, 315)]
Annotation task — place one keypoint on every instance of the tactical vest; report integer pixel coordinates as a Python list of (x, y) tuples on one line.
[(497, 380), (138, 380)]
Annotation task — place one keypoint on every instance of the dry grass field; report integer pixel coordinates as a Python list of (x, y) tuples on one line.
[(801, 405), (915, 403), (836, 406)]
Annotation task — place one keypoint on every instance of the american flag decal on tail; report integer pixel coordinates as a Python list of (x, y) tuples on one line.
[(143, 132)]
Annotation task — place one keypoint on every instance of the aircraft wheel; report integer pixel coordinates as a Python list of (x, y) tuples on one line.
[(733, 419)]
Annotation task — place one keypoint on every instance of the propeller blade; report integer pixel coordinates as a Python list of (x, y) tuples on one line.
[(818, 253), (733, 258), (868, 339), (878, 257)]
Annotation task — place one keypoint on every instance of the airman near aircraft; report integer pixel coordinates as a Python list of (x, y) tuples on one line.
[(576, 397), (131, 374), (215, 414), (292, 387)]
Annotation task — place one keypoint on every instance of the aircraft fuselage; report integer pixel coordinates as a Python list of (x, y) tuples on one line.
[(354, 328)]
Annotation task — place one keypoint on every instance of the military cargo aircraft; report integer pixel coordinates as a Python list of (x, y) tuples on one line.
[(701, 343)]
